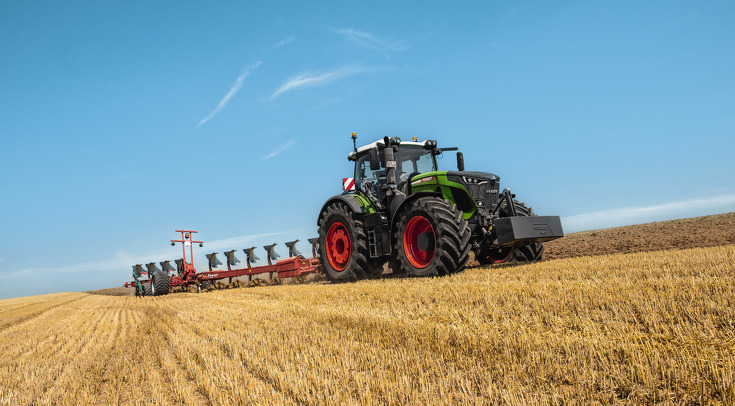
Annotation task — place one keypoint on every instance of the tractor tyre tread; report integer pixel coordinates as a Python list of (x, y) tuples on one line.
[(452, 237), (357, 266)]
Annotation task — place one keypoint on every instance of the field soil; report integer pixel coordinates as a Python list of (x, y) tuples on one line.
[(707, 231)]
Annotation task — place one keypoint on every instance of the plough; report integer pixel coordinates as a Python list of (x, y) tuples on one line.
[(155, 281)]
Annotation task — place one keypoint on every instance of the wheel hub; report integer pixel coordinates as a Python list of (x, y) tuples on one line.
[(425, 241), (338, 246)]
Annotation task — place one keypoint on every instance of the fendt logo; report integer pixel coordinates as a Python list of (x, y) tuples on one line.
[(541, 229)]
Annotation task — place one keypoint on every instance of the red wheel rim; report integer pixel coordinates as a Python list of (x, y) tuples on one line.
[(419, 228), (499, 255), (338, 246)]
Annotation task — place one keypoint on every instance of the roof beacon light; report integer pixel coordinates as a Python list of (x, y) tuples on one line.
[(415, 139)]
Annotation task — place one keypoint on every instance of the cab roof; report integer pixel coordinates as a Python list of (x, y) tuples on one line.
[(352, 155)]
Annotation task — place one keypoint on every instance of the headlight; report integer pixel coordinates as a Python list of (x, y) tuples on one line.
[(474, 181)]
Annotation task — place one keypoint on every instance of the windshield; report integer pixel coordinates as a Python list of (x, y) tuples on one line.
[(409, 160)]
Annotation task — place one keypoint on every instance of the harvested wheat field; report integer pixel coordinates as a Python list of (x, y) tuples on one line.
[(652, 327)]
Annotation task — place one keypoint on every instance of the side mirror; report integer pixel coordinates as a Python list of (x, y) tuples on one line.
[(460, 161), (374, 159)]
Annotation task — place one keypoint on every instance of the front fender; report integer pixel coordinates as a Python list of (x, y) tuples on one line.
[(395, 213)]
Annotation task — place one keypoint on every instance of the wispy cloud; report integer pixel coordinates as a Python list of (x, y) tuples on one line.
[(233, 91), (369, 40), (660, 212), (313, 80), (284, 41), (281, 148)]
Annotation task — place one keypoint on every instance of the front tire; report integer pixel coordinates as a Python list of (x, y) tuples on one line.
[(432, 238), (342, 244)]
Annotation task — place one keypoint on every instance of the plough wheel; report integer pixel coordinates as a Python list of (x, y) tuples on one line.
[(432, 238), (147, 289), (159, 283), (342, 244)]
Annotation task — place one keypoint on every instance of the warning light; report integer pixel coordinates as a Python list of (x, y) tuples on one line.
[(415, 139)]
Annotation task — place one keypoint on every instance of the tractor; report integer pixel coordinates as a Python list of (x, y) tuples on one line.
[(401, 210)]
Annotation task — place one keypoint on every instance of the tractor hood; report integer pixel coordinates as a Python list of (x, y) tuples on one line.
[(482, 187), (472, 177)]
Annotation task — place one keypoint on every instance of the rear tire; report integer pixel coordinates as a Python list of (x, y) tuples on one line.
[(147, 289), (487, 255), (432, 238), (159, 283), (342, 244)]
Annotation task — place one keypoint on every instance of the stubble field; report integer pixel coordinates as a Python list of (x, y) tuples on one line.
[(633, 328)]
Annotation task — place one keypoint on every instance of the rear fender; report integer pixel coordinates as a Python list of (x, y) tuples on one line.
[(351, 200)]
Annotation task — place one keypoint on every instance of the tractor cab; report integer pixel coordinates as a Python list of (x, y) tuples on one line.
[(411, 159)]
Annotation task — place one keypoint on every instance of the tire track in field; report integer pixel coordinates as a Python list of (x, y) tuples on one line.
[(45, 364), (117, 368), (91, 359), (222, 343), (48, 327), (19, 315), (221, 379), (185, 386), (147, 385)]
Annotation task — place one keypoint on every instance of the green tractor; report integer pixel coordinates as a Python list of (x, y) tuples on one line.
[(402, 210)]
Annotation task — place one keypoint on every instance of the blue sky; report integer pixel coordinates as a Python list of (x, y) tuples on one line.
[(122, 121)]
